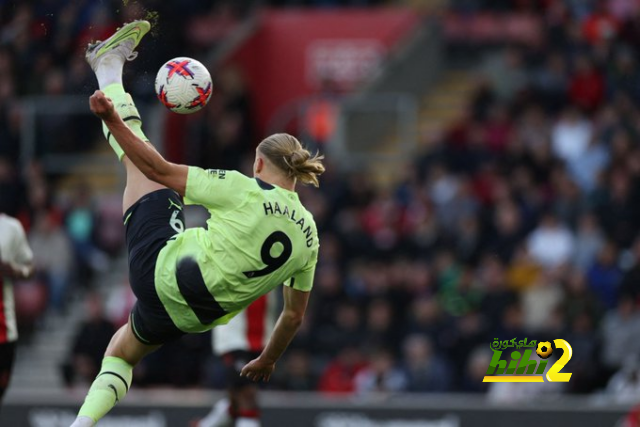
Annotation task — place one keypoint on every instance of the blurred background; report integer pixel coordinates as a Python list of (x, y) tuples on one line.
[(483, 171)]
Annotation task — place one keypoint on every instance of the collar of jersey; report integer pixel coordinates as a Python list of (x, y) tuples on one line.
[(264, 185), (267, 186)]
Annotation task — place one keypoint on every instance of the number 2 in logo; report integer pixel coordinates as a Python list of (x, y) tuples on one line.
[(554, 374), (272, 263)]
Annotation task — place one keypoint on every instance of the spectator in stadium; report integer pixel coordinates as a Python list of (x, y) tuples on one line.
[(551, 243), (588, 242), (382, 375), (340, 373), (600, 26), (630, 285), (475, 370), (89, 343), (585, 168), (579, 300), (297, 374), (80, 224), (343, 329), (321, 114), (604, 276), (584, 366), (571, 135), (16, 263), (426, 371), (619, 334), (506, 73), (624, 386), (587, 85), (10, 187), (540, 301), (53, 257)]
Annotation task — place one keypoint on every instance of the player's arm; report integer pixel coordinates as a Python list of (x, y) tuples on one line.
[(143, 155), (295, 305)]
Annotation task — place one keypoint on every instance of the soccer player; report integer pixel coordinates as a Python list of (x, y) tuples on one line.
[(259, 236), (16, 262), (237, 342)]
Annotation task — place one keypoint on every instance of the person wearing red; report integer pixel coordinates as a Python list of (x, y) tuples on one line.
[(339, 376), (586, 89), (600, 25)]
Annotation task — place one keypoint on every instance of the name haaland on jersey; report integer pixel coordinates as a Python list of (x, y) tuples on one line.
[(274, 209)]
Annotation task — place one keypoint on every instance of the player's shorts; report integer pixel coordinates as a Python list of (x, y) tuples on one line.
[(149, 225), (234, 361)]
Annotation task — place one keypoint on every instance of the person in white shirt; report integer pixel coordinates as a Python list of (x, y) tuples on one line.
[(551, 244), (16, 263)]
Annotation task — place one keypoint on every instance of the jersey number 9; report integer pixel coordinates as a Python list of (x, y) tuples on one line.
[(272, 263)]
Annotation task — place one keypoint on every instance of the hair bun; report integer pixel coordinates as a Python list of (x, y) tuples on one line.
[(299, 157), (287, 154)]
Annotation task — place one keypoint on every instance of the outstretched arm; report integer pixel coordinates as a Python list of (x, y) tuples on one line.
[(143, 155), (295, 305)]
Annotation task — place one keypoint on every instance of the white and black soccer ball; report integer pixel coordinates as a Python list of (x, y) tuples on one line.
[(183, 85)]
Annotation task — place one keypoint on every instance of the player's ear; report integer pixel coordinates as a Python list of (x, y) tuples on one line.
[(258, 165)]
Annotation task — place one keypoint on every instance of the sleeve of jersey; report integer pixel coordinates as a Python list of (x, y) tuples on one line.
[(23, 253), (215, 188), (303, 281)]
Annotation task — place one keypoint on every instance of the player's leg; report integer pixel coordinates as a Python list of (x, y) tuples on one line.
[(137, 185), (241, 406), (220, 415), (240, 409), (245, 402), (107, 60), (7, 356)]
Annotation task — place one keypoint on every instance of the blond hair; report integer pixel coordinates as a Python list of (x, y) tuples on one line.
[(288, 155)]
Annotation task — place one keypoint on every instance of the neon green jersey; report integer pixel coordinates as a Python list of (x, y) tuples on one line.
[(259, 236)]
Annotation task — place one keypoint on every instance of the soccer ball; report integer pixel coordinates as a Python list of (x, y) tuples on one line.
[(183, 85), (544, 349)]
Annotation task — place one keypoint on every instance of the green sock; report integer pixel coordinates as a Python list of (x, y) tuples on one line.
[(127, 111), (110, 386)]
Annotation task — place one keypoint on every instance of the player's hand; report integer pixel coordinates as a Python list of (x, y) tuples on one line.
[(101, 106), (7, 270), (257, 370)]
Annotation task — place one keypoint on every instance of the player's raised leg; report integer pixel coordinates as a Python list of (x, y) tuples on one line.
[(107, 60), (125, 350)]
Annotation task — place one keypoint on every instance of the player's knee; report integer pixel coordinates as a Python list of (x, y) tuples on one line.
[(246, 398)]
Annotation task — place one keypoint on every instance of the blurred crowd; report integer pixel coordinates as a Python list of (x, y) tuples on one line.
[(520, 220)]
